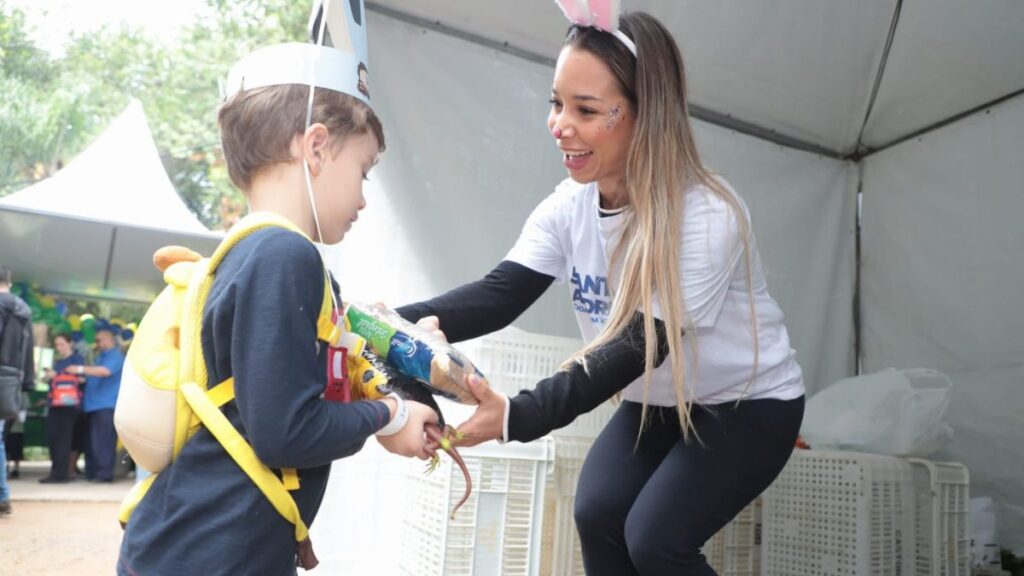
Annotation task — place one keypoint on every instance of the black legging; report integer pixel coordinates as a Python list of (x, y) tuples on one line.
[(648, 512), (60, 429)]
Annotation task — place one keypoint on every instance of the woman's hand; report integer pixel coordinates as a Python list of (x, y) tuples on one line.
[(412, 439), (488, 422), (433, 325)]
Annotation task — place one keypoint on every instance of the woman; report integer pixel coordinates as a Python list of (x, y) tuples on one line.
[(65, 408), (712, 394)]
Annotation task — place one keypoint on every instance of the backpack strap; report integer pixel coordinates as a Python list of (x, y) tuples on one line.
[(220, 395), (326, 329), (202, 403), (132, 499)]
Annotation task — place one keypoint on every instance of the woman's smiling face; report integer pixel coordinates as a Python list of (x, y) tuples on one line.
[(590, 117)]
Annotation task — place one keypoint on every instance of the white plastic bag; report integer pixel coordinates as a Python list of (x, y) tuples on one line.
[(984, 547), (888, 412)]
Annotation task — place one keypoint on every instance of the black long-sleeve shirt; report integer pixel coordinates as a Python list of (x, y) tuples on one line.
[(203, 515), (499, 298)]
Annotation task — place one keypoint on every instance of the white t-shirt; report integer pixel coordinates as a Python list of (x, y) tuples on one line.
[(566, 237)]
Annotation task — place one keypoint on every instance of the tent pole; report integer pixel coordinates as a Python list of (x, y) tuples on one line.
[(858, 349), (110, 259), (878, 77), (942, 123)]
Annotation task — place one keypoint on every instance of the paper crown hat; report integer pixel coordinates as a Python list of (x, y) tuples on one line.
[(336, 60), (601, 14)]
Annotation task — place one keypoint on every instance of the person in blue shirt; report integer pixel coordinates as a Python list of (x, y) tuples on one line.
[(60, 421), (103, 380)]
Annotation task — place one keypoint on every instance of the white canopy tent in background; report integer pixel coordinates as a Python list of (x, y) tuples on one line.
[(91, 229), (912, 111)]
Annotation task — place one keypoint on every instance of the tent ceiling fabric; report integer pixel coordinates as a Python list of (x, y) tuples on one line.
[(948, 57), (92, 228), (801, 69), (73, 256)]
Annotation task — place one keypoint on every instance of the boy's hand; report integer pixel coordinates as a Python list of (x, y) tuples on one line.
[(488, 422), (412, 440)]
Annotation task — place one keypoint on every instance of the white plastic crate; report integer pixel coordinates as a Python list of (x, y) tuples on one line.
[(839, 514), (497, 531), (736, 549), (513, 360), (943, 546), (566, 558)]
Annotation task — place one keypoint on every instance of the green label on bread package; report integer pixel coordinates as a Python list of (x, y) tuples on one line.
[(377, 333)]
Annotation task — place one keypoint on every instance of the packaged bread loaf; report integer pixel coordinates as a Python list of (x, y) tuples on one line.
[(414, 351)]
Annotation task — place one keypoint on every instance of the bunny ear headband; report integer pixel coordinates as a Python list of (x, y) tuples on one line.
[(600, 14)]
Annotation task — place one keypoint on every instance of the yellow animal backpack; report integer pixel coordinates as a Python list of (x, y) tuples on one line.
[(165, 396)]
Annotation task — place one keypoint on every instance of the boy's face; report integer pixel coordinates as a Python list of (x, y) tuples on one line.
[(339, 185)]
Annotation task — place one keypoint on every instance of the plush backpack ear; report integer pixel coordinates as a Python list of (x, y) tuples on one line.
[(168, 255), (603, 14)]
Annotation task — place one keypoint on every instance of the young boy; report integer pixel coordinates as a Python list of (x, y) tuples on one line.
[(203, 515)]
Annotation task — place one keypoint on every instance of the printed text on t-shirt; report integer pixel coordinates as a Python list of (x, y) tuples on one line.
[(590, 295)]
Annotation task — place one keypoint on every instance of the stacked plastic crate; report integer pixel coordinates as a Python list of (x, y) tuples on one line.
[(736, 549), (512, 360), (497, 532), (566, 557), (942, 493), (840, 514)]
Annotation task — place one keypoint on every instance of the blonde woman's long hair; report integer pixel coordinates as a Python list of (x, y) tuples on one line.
[(662, 163)]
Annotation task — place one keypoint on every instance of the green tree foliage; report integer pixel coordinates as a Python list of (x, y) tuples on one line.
[(30, 129), (56, 105)]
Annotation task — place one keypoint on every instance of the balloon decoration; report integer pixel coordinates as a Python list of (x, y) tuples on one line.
[(88, 328), (53, 312), (129, 331)]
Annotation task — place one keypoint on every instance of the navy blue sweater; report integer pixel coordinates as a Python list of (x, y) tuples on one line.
[(203, 515)]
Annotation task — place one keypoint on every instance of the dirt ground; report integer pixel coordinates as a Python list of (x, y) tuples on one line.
[(60, 529), (59, 538)]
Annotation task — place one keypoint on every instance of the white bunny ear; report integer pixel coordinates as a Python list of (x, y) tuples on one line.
[(577, 11), (603, 14)]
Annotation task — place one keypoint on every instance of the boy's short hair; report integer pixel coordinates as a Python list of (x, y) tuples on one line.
[(257, 126), (5, 274)]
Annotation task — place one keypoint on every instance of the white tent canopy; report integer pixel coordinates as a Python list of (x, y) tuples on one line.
[(807, 72), (878, 145), (92, 228)]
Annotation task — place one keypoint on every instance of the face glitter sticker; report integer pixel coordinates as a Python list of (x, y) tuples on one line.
[(613, 117)]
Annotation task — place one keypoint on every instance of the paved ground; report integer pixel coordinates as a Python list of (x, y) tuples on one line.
[(60, 529)]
